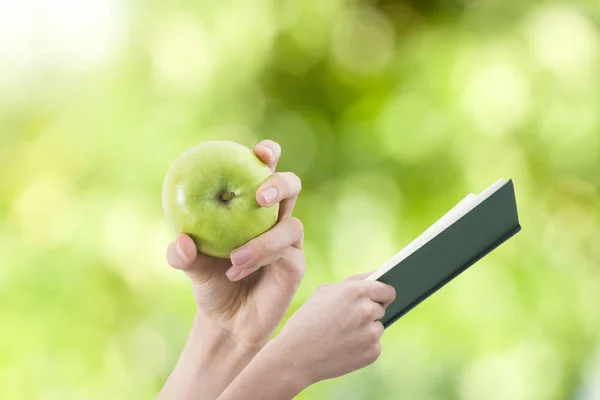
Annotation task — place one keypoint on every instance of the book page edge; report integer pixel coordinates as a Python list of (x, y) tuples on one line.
[(455, 213)]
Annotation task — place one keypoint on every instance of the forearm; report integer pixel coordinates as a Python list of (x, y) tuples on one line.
[(271, 375), (209, 362)]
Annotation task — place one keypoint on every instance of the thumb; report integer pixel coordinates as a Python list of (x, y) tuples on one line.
[(359, 277), (183, 254)]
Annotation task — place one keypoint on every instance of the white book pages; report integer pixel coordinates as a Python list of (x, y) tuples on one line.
[(458, 211), (443, 222)]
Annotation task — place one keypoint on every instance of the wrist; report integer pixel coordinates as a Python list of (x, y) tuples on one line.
[(218, 331), (214, 342), (285, 362), (209, 362), (272, 375), (210, 348)]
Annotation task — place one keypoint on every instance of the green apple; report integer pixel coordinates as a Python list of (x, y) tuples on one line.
[(209, 193)]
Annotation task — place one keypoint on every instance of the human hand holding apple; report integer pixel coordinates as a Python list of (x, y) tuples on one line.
[(209, 193), (248, 310)]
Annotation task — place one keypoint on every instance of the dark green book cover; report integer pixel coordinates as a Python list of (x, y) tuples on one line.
[(473, 235)]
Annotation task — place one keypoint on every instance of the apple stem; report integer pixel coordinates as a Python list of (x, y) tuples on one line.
[(227, 196)]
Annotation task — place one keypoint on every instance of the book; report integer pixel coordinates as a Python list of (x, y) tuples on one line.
[(468, 232)]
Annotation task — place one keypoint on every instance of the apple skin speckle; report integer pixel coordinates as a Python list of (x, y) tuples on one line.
[(209, 193)]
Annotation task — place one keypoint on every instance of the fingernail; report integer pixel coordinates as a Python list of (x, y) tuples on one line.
[(180, 252), (233, 272), (241, 256), (268, 151), (269, 195)]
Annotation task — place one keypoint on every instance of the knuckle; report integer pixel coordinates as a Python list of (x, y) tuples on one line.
[(281, 183), (272, 144), (297, 180), (292, 180), (375, 351), (350, 290), (294, 261), (364, 311), (301, 264), (301, 271), (359, 291), (392, 293), (172, 260), (297, 226), (261, 247), (374, 333)]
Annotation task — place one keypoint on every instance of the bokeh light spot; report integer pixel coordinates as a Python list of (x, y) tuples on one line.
[(60, 35), (363, 41), (45, 212), (361, 232), (411, 127), (528, 371), (183, 52), (564, 41), (496, 97)]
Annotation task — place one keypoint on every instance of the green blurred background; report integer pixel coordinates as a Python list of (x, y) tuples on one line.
[(389, 111)]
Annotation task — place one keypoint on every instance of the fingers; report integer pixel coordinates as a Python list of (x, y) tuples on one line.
[(380, 292), (182, 252), (359, 277), (290, 259), (377, 311), (378, 328), (368, 311), (260, 251), (282, 187), (374, 290), (373, 342), (269, 152)]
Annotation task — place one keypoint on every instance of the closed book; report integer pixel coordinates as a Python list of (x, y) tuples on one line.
[(468, 232)]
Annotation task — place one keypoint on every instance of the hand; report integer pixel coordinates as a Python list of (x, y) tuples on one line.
[(334, 333), (248, 310), (337, 330)]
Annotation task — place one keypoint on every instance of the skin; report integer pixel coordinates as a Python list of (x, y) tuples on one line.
[(236, 317), (228, 354), (209, 193), (334, 333)]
